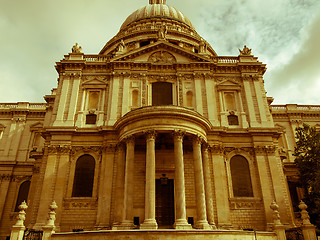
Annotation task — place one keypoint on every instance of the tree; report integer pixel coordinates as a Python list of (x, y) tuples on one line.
[(307, 153)]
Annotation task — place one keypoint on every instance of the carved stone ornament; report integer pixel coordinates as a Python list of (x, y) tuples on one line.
[(59, 149), (162, 33), (245, 204), (80, 204), (162, 57), (76, 48), (86, 149), (245, 52)]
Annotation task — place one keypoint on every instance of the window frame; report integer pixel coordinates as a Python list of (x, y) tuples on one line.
[(73, 163), (252, 170)]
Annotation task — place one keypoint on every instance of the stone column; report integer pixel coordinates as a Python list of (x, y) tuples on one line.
[(127, 222), (179, 189), (120, 186), (202, 221), (150, 194), (208, 185)]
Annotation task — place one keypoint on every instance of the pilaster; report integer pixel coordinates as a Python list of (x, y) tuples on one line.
[(251, 109), (221, 186), (105, 187)]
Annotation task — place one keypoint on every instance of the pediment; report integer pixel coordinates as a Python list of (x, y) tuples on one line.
[(228, 85), (94, 82), (161, 53), (2, 126), (36, 125)]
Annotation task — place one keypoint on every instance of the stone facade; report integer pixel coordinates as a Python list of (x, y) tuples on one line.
[(156, 110)]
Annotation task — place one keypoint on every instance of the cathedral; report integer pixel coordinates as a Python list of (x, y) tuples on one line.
[(156, 132)]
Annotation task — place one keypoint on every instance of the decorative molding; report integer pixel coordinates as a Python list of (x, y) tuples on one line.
[(6, 177), (86, 149), (58, 149), (162, 77), (269, 149), (85, 204), (162, 57), (245, 203)]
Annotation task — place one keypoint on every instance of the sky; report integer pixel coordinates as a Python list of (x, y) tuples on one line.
[(284, 34)]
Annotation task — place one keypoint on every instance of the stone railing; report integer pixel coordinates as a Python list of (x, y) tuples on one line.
[(227, 59), (295, 107), (23, 105), (95, 58)]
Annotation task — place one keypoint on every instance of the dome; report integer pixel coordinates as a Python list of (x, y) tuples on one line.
[(157, 9)]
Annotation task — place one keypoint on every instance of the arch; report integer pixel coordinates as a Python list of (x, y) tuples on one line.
[(135, 98), (22, 194), (240, 175), (84, 176), (189, 99), (233, 120)]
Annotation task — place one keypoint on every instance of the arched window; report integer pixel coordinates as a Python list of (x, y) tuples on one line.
[(22, 195), (233, 120), (135, 98), (189, 99), (91, 118), (162, 93), (83, 176), (240, 174)]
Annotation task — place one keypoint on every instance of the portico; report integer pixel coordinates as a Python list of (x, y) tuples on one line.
[(194, 132)]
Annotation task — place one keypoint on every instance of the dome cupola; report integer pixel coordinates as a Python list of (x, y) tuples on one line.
[(157, 9)]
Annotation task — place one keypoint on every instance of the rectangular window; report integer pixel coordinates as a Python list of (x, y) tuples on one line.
[(162, 93)]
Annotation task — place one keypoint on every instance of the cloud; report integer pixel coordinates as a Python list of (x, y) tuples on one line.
[(302, 73), (37, 33)]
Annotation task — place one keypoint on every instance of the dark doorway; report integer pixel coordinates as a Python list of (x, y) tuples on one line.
[(165, 203)]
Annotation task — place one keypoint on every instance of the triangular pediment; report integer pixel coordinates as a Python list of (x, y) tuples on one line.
[(36, 125), (93, 81), (161, 52), (228, 82)]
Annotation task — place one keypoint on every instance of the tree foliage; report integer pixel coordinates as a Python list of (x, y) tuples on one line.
[(307, 153)]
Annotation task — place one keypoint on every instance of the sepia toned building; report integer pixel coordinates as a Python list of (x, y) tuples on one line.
[(156, 131)]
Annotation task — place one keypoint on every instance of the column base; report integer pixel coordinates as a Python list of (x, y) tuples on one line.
[(213, 225), (126, 225), (149, 224), (182, 224), (203, 224)]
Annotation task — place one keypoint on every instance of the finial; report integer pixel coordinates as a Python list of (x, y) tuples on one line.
[(157, 1)]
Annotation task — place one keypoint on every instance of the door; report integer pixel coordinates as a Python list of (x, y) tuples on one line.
[(165, 203)]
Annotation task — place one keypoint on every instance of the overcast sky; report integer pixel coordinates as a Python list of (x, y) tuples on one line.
[(284, 34)]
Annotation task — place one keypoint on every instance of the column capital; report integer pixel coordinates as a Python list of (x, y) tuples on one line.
[(178, 134), (129, 139), (196, 139), (150, 134)]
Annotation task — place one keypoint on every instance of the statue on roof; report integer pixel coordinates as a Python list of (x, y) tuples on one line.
[(202, 46), (76, 48), (162, 33), (245, 52), (157, 1)]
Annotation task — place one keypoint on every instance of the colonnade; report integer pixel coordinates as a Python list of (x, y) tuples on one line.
[(203, 189)]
